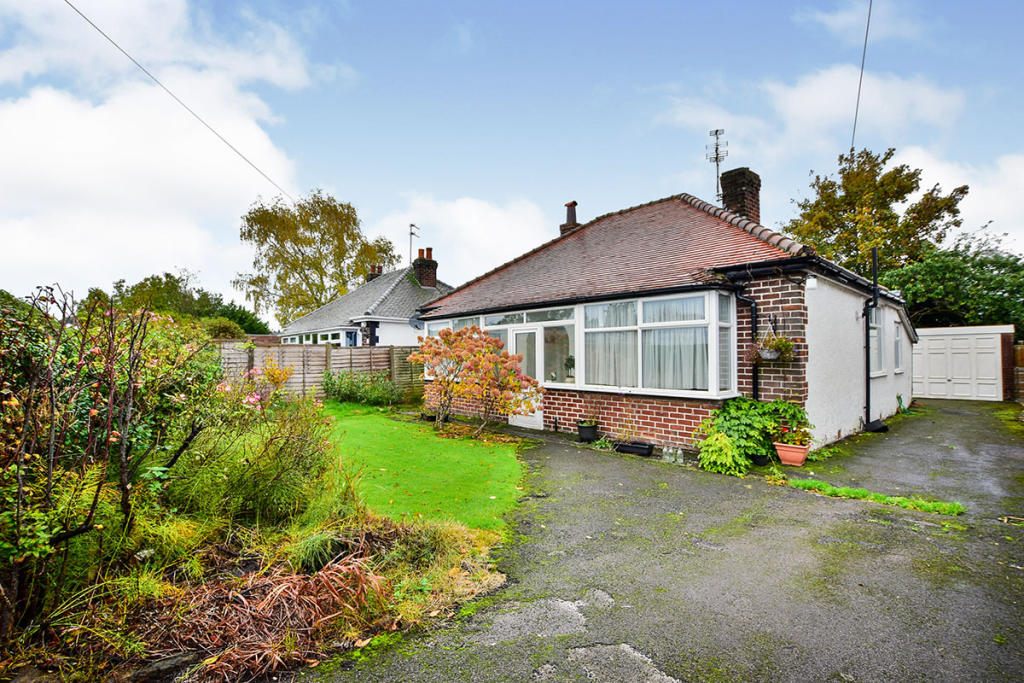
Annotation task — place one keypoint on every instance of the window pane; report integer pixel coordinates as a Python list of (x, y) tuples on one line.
[(611, 358), (555, 314), (616, 314), (897, 348), (352, 338), (674, 310), (559, 347), (503, 319), (726, 350), (676, 358), (460, 323), (434, 328), (875, 345), (725, 308), (499, 334), (526, 344)]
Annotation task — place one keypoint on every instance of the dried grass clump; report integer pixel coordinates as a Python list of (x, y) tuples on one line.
[(263, 622)]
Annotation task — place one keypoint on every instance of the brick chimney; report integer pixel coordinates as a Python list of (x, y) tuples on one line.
[(741, 193), (425, 268), (570, 223), (375, 272)]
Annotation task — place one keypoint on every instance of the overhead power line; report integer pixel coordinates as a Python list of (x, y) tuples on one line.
[(860, 82), (179, 101)]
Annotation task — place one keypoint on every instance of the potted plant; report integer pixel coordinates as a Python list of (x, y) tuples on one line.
[(570, 369), (792, 444), (775, 347), (587, 427)]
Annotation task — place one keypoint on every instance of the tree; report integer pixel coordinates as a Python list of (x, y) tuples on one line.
[(307, 254), (976, 282), (869, 206), (468, 364), (178, 294)]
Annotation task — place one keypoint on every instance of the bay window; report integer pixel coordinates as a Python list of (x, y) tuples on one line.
[(677, 345)]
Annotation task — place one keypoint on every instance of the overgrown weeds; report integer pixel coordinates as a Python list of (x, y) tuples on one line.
[(916, 503)]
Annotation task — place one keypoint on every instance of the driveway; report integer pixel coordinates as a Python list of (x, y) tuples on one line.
[(623, 569)]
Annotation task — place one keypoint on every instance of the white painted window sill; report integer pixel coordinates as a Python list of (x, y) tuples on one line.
[(876, 375)]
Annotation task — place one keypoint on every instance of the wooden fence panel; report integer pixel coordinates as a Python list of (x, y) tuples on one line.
[(308, 362)]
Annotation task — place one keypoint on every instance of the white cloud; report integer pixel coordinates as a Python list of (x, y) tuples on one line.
[(106, 177), (995, 189), (848, 19), (469, 236)]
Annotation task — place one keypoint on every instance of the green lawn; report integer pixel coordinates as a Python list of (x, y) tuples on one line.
[(407, 471)]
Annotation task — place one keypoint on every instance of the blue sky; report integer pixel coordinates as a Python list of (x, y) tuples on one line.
[(476, 121)]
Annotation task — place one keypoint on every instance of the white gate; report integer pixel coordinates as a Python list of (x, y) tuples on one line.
[(959, 362)]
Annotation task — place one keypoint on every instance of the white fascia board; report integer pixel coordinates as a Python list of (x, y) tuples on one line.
[(966, 329), (380, 319)]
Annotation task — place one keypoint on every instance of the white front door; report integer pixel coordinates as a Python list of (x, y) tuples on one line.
[(524, 341)]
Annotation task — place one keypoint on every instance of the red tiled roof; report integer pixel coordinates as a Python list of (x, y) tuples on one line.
[(665, 243)]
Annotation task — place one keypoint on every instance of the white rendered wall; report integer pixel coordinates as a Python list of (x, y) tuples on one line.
[(398, 334), (835, 361)]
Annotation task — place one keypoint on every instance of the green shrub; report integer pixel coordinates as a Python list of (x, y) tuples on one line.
[(265, 473), (373, 388), (748, 426), (222, 328), (718, 453)]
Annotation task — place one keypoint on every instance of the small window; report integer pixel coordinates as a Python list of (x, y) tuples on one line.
[(434, 328), (351, 338), (875, 340), (674, 310), (460, 323), (897, 347), (553, 314), (335, 335), (615, 314), (503, 319)]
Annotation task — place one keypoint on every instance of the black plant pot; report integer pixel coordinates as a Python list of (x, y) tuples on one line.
[(588, 432), (761, 459), (635, 447), (427, 417)]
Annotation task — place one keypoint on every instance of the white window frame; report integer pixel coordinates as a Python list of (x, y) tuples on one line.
[(710, 321), (875, 319), (897, 348)]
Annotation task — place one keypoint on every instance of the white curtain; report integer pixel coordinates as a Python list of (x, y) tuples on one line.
[(617, 314), (674, 310), (611, 358), (676, 358)]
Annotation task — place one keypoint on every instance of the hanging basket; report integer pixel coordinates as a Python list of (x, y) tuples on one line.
[(769, 354)]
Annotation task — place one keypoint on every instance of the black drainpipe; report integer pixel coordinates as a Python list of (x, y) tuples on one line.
[(872, 303), (753, 333)]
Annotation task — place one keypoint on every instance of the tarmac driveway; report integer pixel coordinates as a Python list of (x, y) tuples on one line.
[(623, 569)]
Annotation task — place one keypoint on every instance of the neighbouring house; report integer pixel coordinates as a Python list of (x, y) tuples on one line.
[(381, 312), (645, 318)]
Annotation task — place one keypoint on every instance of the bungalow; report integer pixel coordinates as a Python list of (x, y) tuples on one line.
[(646, 318), (381, 312)]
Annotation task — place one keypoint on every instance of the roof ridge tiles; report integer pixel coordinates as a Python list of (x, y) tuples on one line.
[(388, 291), (754, 228)]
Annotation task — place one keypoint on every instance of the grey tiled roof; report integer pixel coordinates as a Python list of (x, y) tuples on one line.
[(391, 295)]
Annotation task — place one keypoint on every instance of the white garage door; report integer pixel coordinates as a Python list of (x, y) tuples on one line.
[(959, 362)]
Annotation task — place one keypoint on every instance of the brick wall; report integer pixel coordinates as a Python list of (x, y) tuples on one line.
[(672, 421), (782, 300)]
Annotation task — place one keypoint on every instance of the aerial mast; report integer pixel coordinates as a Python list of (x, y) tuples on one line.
[(717, 151)]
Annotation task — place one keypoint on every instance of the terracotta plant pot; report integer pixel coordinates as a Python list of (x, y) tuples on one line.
[(790, 454)]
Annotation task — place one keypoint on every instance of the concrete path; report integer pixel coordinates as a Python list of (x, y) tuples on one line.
[(632, 570)]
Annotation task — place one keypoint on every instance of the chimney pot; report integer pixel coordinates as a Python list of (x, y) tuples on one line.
[(741, 193), (425, 268), (420, 254), (570, 218)]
